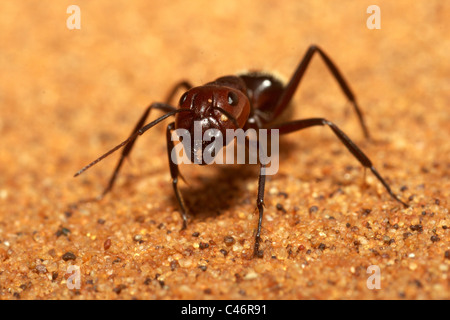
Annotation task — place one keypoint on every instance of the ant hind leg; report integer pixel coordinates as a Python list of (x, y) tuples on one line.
[(294, 82), (349, 144)]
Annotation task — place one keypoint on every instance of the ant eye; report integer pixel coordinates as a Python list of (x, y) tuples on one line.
[(232, 98), (183, 98)]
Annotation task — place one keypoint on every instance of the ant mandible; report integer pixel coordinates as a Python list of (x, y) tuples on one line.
[(252, 100)]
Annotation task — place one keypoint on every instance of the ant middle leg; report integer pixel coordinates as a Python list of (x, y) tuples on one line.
[(128, 143), (349, 144), (294, 82), (127, 149)]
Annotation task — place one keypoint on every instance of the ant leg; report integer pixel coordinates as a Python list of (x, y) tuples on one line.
[(351, 146), (164, 107), (260, 204), (175, 173), (260, 199), (182, 84), (291, 87), (126, 151)]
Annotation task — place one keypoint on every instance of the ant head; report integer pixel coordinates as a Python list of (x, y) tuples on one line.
[(213, 107), (220, 107)]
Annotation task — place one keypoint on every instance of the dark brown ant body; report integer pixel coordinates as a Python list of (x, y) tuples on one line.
[(253, 100)]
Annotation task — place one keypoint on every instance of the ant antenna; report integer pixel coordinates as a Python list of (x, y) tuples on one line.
[(133, 136)]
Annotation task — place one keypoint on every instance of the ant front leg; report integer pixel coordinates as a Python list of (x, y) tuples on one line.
[(293, 84), (253, 145), (260, 204), (351, 146), (175, 173)]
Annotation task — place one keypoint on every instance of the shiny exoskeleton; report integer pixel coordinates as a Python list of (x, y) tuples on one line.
[(253, 100)]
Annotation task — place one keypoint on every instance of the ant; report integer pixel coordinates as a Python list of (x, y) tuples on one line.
[(252, 100)]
